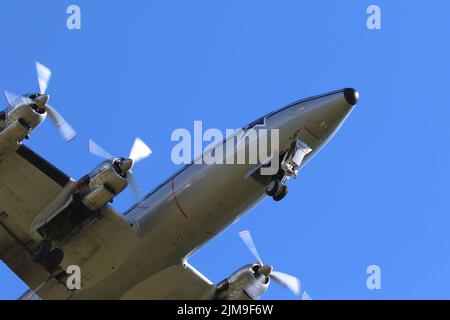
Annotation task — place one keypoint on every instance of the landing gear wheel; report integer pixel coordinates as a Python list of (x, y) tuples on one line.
[(274, 187), (41, 251), (53, 260), (279, 196)]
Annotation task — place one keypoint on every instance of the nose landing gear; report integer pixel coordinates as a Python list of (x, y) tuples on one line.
[(292, 160)]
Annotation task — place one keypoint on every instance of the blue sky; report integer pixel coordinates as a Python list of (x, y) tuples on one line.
[(377, 194)]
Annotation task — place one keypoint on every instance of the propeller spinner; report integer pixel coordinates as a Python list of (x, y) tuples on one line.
[(286, 280), (139, 151)]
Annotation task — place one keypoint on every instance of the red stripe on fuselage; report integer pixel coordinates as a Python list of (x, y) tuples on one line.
[(176, 200)]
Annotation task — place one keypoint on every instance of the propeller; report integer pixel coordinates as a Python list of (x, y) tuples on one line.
[(44, 74), (286, 280), (40, 101), (139, 151), (15, 100)]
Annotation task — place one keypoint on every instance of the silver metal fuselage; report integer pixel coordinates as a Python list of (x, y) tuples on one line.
[(201, 200)]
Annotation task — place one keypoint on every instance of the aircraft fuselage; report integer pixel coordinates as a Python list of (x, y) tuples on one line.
[(201, 200)]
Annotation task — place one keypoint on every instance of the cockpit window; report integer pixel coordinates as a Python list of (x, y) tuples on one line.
[(259, 121)]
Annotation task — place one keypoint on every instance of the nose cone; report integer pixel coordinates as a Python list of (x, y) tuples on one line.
[(266, 270), (327, 113), (42, 100), (314, 120), (351, 95), (126, 164)]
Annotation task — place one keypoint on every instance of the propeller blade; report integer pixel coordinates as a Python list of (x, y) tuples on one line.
[(11, 98), (95, 149), (32, 294), (248, 240), (134, 186), (15, 100), (44, 74), (139, 151), (62, 125), (306, 296), (288, 281)]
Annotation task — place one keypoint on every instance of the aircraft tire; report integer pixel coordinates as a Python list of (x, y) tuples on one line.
[(279, 196), (274, 187), (53, 260), (42, 250)]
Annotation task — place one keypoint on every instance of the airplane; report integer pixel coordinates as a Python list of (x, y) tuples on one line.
[(50, 221)]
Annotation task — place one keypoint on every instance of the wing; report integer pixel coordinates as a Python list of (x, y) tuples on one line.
[(28, 184), (178, 282), (30, 188)]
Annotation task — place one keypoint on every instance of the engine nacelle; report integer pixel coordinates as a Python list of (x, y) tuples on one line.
[(98, 197), (244, 284), (12, 134), (84, 199), (16, 125), (30, 114), (103, 184)]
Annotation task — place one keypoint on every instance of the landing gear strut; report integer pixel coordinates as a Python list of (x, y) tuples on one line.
[(292, 160), (45, 256)]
